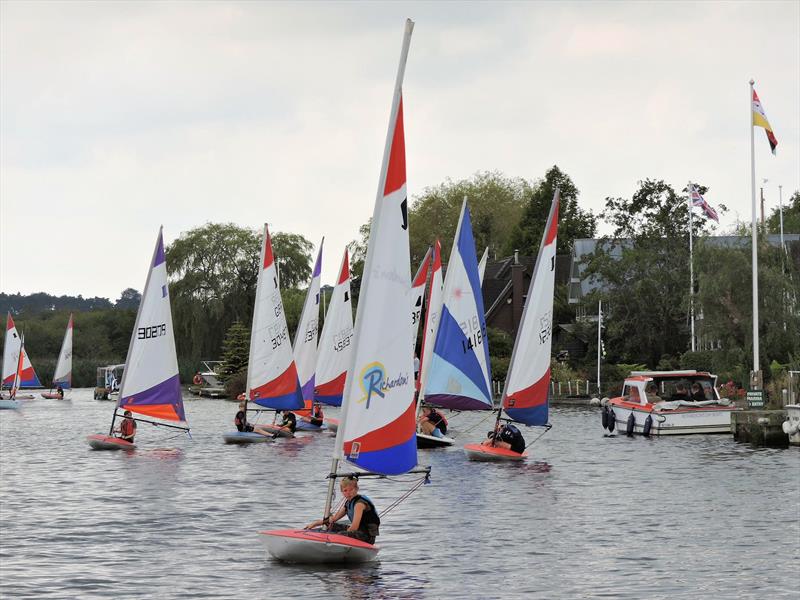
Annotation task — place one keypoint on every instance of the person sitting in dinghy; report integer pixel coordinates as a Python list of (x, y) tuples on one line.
[(432, 422), (127, 428), (364, 519), (317, 416), (60, 392), (506, 436), (240, 420)]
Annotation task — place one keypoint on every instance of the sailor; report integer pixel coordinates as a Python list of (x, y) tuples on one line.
[(240, 420), (289, 421), (364, 519), (507, 436), (317, 416), (60, 392), (127, 428), (432, 422)]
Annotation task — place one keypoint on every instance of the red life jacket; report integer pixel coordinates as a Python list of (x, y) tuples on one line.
[(127, 428)]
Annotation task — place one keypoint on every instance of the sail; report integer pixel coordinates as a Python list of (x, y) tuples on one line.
[(525, 396), (63, 372), (460, 372), (11, 354), (150, 383), (417, 293), (378, 429), (305, 338), (335, 343), (432, 315), (482, 265), (15, 383), (271, 375)]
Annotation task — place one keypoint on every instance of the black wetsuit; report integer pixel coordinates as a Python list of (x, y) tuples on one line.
[(511, 435), (241, 422), (290, 421), (438, 420)]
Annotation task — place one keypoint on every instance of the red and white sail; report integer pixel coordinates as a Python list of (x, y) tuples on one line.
[(336, 341), (417, 294), (378, 427), (525, 397), (271, 375), (11, 355), (431, 316)]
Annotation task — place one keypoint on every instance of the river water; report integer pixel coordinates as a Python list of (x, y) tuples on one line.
[(588, 516)]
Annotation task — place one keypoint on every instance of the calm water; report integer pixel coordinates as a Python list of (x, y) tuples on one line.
[(588, 516)]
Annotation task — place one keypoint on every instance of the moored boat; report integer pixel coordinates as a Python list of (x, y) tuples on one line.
[(640, 410)]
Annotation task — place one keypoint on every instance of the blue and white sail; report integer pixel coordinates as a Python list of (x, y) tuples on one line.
[(460, 371), (305, 338)]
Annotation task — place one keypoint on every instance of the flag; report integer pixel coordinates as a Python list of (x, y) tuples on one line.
[(699, 201), (760, 120)]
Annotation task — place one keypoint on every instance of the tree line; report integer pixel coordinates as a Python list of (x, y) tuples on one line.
[(213, 271)]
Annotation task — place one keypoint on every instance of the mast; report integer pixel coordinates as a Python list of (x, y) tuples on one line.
[(359, 325), (754, 234), (259, 292), (599, 341)]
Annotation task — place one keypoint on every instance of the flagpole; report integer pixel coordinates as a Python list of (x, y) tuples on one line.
[(691, 265), (754, 232), (599, 341)]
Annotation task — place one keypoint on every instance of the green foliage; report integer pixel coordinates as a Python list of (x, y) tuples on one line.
[(573, 223), (791, 216), (495, 203), (501, 343), (236, 384), (499, 367), (235, 351), (700, 361)]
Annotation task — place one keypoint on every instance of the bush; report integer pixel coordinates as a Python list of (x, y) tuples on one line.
[(236, 384)]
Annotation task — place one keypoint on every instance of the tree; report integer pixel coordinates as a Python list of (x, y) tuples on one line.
[(573, 223), (214, 271), (129, 298), (235, 351), (646, 276), (495, 202)]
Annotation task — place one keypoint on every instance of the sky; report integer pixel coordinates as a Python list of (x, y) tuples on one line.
[(118, 117)]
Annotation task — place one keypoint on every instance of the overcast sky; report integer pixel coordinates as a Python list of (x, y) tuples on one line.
[(118, 117)]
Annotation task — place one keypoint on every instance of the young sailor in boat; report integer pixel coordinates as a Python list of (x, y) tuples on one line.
[(364, 519), (289, 423), (60, 392), (127, 428), (240, 420), (506, 436), (432, 422), (317, 416)]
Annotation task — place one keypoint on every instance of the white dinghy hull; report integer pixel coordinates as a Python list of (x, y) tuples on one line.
[(317, 547), (431, 441)]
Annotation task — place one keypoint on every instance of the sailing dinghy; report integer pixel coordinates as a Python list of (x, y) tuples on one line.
[(63, 374), (376, 433), (12, 350), (335, 345), (272, 380), (417, 294), (151, 386), (459, 374), (525, 393), (12, 402)]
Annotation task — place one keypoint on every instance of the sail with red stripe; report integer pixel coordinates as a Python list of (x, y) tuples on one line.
[(11, 354), (527, 387), (417, 294), (377, 429), (150, 383), (335, 343), (432, 315), (272, 379), (307, 334)]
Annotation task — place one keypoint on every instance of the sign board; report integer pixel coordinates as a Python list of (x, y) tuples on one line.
[(755, 398)]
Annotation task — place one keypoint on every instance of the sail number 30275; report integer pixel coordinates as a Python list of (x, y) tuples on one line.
[(145, 333)]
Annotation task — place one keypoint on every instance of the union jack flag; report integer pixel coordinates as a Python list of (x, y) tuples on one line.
[(699, 201)]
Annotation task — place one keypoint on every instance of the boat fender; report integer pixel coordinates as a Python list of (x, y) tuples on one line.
[(648, 424), (197, 380), (604, 417), (630, 425), (790, 427), (612, 419)]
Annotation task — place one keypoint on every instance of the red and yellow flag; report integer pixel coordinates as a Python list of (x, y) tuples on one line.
[(760, 120)]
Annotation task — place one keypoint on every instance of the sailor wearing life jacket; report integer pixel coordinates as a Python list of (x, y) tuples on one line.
[(127, 428), (240, 420), (507, 436), (364, 519), (432, 422), (317, 416)]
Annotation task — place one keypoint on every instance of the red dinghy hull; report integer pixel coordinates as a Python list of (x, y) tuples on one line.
[(50, 396), (107, 442), (317, 547), (492, 454)]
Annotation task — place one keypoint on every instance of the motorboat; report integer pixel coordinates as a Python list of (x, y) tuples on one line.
[(661, 403)]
